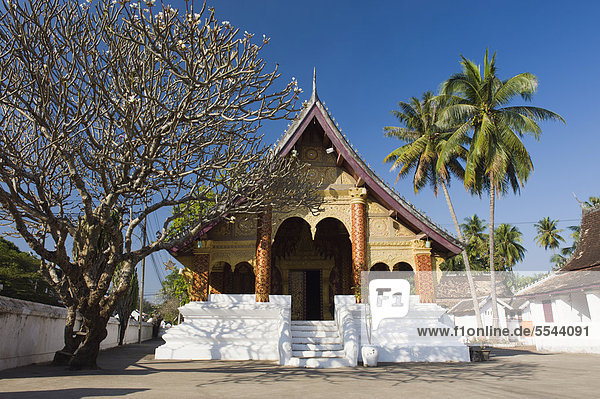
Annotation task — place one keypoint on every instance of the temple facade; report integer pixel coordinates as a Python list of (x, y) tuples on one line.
[(364, 225), (284, 286)]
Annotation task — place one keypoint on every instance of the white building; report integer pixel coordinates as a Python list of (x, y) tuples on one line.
[(564, 308)]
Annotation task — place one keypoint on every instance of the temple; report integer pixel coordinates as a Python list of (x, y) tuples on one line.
[(312, 262)]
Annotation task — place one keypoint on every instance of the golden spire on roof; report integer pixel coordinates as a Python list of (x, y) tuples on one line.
[(313, 97)]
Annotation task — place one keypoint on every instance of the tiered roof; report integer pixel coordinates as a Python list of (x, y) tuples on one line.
[(350, 159), (404, 211)]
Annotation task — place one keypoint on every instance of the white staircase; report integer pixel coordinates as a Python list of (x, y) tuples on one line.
[(317, 344)]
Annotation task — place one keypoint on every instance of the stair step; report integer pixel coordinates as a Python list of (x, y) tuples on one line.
[(317, 354), (314, 328), (317, 347), (322, 362), (316, 340), (304, 333), (313, 323)]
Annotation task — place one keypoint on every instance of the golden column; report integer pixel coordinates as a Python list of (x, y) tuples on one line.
[(358, 210), (262, 280)]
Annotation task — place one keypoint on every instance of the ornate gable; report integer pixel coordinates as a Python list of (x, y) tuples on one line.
[(316, 139)]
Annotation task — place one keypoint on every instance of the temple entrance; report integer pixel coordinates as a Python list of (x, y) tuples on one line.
[(306, 291), (313, 271), (313, 295)]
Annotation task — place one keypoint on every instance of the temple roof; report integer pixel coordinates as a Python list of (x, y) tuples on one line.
[(563, 282), (582, 272), (401, 209), (314, 109), (587, 253)]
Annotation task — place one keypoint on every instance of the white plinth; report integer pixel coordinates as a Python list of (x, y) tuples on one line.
[(230, 327), (398, 339)]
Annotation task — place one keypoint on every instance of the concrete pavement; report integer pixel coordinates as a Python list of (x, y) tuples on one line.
[(131, 371)]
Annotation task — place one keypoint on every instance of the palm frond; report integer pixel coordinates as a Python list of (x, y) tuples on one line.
[(402, 133), (535, 113), (523, 84)]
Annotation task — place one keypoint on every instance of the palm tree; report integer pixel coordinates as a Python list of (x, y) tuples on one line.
[(474, 231), (548, 236), (474, 228), (592, 202), (508, 245), (561, 259), (497, 157), (424, 138)]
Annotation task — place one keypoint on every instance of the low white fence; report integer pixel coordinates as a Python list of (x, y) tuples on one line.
[(32, 332)]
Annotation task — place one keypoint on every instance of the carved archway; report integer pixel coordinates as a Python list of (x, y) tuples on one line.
[(220, 278), (242, 279), (380, 267), (403, 267), (333, 241), (408, 273)]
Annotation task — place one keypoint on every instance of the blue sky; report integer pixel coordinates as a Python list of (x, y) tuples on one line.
[(371, 55)]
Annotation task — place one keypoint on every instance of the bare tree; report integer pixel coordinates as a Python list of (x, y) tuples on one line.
[(126, 304), (110, 112)]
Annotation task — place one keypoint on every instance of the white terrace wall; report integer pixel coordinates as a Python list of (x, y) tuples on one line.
[(31, 332), (579, 310)]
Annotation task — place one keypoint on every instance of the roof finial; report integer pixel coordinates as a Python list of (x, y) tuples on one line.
[(314, 91)]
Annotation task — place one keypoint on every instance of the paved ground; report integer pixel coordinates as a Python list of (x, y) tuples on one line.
[(132, 371)]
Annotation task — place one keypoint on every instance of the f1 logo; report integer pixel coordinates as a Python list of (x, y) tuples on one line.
[(388, 299)]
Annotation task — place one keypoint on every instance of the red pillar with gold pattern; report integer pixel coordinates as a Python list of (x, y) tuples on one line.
[(358, 210), (263, 257), (424, 278), (199, 283)]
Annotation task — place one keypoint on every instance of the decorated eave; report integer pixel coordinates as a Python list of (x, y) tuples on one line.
[(399, 208)]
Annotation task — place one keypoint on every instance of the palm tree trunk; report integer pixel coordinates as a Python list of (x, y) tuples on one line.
[(465, 258), (492, 268)]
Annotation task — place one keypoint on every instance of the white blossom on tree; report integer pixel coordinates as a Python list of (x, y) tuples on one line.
[(111, 111)]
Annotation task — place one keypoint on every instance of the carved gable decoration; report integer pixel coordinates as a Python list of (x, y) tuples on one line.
[(318, 141)]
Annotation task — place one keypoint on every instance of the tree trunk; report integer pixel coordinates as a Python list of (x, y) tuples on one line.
[(465, 258), (85, 357), (122, 329), (492, 268), (63, 356)]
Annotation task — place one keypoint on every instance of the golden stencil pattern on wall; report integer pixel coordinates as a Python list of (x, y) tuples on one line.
[(311, 153), (297, 290), (375, 209), (198, 289), (233, 252), (324, 175), (316, 155), (401, 231), (245, 225), (378, 227), (221, 231)]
